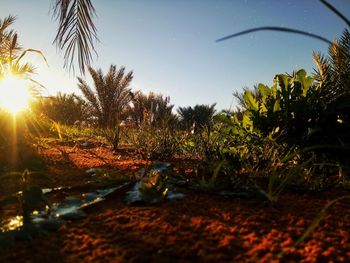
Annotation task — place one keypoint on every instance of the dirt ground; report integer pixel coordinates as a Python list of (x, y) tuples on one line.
[(201, 227)]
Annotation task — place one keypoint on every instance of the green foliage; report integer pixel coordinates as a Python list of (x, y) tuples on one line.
[(211, 184), (156, 143), (113, 136), (76, 31), (285, 169), (333, 80), (291, 104), (153, 186), (232, 139), (154, 189), (307, 110)]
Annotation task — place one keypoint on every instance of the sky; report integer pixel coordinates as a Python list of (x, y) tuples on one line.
[(170, 44)]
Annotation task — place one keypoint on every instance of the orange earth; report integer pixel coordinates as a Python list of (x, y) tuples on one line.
[(201, 227)]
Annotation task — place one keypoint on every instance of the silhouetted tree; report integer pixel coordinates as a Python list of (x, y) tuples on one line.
[(63, 108), (200, 117), (155, 107), (111, 97)]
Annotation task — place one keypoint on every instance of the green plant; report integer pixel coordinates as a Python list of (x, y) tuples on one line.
[(283, 173), (11, 55), (113, 136), (320, 115), (156, 143), (333, 79), (290, 104), (211, 184), (153, 186), (154, 189)]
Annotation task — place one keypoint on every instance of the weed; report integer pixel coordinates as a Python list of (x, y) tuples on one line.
[(318, 218)]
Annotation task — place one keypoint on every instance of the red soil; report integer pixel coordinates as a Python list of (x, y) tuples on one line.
[(199, 228)]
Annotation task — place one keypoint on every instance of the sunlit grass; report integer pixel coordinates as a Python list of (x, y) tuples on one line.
[(14, 94)]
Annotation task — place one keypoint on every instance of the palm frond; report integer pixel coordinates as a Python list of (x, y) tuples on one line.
[(90, 96), (33, 51), (323, 72), (23, 69), (275, 28), (125, 82), (337, 12), (6, 22), (97, 77), (76, 32)]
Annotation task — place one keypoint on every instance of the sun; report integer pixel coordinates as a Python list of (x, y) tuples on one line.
[(14, 94)]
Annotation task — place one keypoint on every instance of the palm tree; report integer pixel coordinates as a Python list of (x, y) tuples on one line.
[(63, 108), (11, 55), (10, 51), (200, 116), (333, 83), (186, 117), (156, 106), (111, 97), (203, 117), (333, 72)]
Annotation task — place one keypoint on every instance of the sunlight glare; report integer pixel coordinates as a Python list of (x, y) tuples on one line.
[(12, 224), (14, 94)]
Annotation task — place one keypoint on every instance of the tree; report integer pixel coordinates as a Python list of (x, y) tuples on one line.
[(154, 107), (11, 53), (186, 117), (200, 117), (111, 97), (333, 82), (63, 108)]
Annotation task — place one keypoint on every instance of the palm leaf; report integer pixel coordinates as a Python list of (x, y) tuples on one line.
[(76, 32), (275, 28), (30, 50), (332, 8), (89, 95)]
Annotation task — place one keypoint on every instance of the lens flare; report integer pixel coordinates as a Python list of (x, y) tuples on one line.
[(14, 94)]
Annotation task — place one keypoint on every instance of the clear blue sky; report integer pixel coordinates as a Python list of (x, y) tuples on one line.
[(170, 44)]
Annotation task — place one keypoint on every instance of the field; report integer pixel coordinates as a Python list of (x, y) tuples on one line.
[(202, 226)]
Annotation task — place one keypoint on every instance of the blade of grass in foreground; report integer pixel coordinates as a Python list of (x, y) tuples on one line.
[(318, 219)]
